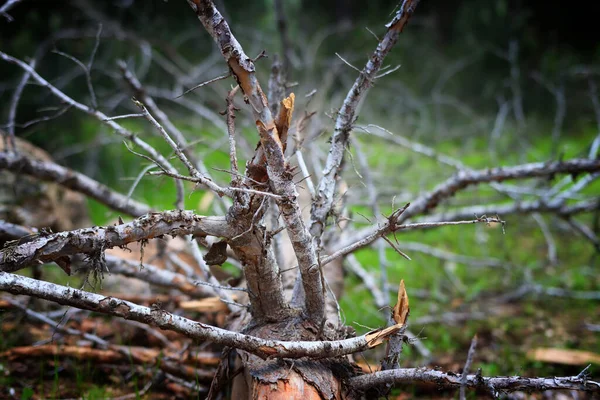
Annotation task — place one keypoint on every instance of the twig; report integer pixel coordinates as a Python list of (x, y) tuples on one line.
[(14, 101), (7, 6), (465, 372), (86, 72), (347, 115), (218, 78), (180, 154), (231, 134), (368, 280), (154, 154)]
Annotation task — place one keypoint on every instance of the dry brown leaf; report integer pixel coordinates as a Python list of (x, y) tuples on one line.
[(401, 309), (563, 356)]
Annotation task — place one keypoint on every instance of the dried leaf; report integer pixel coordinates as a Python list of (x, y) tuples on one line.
[(401, 309), (65, 264)]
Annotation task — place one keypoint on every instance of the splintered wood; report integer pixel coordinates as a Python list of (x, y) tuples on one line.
[(399, 314)]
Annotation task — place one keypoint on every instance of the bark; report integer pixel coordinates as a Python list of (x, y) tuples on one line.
[(493, 384)]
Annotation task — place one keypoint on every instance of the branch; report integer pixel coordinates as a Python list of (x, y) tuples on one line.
[(451, 380), (463, 179), (64, 295), (93, 241), (9, 231), (139, 92), (363, 239), (6, 7), (157, 276), (49, 171), (154, 154), (347, 115), (526, 207), (280, 178), (181, 154)]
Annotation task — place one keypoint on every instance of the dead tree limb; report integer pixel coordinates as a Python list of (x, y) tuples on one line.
[(49, 171), (496, 384), (347, 115), (44, 248), (463, 179), (20, 285)]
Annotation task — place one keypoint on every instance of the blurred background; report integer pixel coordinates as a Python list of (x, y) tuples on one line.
[(488, 83)]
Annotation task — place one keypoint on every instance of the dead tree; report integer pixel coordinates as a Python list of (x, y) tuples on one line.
[(285, 338)]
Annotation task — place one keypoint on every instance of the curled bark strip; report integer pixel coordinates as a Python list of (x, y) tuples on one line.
[(284, 118)]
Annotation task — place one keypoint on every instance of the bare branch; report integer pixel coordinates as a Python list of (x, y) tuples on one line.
[(157, 276), (525, 207), (154, 154), (93, 241), (49, 171), (496, 384), (231, 134), (463, 179), (13, 231), (7, 6), (390, 226), (347, 114), (21, 285), (465, 372), (368, 280), (14, 102), (200, 178)]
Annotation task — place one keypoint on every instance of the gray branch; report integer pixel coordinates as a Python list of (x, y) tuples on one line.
[(49, 171), (20, 285), (451, 380), (463, 179), (93, 241)]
